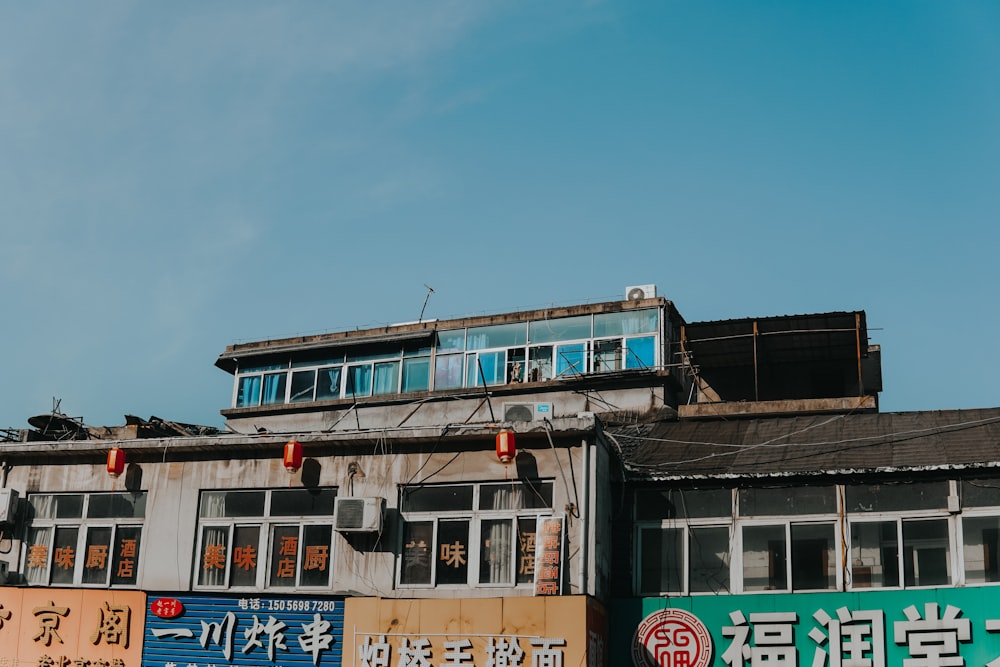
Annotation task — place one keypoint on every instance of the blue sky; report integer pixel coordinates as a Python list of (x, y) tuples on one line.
[(176, 177)]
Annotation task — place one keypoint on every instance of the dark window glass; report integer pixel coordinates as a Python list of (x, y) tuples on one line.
[(418, 549), (453, 552), (284, 555), (790, 500), (896, 497), (813, 557), (708, 560), (97, 556), (245, 557), (660, 504), (526, 527), (516, 496), (126, 556), (980, 492), (232, 503), (316, 542), (874, 554), (117, 505), (328, 383), (303, 386), (64, 555), (926, 559), (764, 558), (661, 560), (437, 498), (302, 502)]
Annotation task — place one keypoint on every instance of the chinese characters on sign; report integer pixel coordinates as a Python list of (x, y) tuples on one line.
[(261, 632), (441, 651), (914, 634), (70, 628), (548, 555)]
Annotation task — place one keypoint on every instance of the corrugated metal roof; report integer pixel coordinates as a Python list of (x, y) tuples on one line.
[(810, 445)]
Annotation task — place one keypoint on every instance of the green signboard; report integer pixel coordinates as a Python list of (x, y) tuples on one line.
[(935, 627)]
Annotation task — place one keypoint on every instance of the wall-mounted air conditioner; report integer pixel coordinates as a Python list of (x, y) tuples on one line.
[(637, 292), (358, 515), (8, 506), (526, 412)]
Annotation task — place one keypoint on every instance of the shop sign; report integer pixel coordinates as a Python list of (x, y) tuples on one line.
[(548, 555), (70, 628), (947, 627), (245, 631)]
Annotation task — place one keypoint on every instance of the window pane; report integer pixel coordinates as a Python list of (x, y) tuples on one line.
[(386, 379), (328, 383), (37, 560), (243, 568), (418, 544), (571, 359), (117, 505), (453, 552), (540, 363), (419, 348), (375, 352), (437, 498), (64, 555), (303, 386), (126, 556), (214, 550), (874, 554), (660, 560), (496, 551), (563, 328), (248, 391), (316, 542), (274, 389), (526, 527), (708, 560), (790, 500), (449, 341), (497, 335), (448, 371), (764, 558), (96, 556), (660, 504), (359, 381), (216, 504), (813, 558), (980, 492), (302, 502), (896, 497), (607, 355), (981, 549), (624, 324), (926, 559), (416, 374), (488, 365), (516, 496), (44, 506), (284, 555), (640, 352)]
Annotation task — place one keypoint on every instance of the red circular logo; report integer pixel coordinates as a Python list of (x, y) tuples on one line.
[(166, 607), (672, 638)]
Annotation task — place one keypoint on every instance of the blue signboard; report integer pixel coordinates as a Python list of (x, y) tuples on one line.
[(198, 631)]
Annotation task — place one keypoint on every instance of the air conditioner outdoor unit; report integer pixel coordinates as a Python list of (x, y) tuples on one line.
[(8, 506), (526, 412), (358, 515), (637, 292)]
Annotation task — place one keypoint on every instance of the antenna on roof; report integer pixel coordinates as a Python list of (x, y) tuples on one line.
[(426, 299)]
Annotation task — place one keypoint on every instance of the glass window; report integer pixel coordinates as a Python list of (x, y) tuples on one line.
[(359, 381), (981, 549), (813, 557), (540, 363), (248, 391), (708, 559), (273, 391), (496, 335), (416, 374), (471, 534), (788, 500), (607, 355), (874, 554), (571, 359), (448, 371), (450, 341), (386, 378), (488, 365), (626, 323), (84, 539), (328, 383), (764, 566), (896, 497), (562, 328), (303, 386), (285, 534), (661, 558), (981, 493), (926, 556), (640, 352), (660, 504)]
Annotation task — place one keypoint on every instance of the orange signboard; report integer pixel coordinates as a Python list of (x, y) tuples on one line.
[(57, 627)]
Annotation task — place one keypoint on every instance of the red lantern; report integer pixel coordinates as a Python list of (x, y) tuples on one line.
[(293, 457), (506, 450), (116, 462)]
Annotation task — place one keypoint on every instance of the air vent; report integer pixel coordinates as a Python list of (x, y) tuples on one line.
[(358, 515), (638, 292), (526, 412)]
